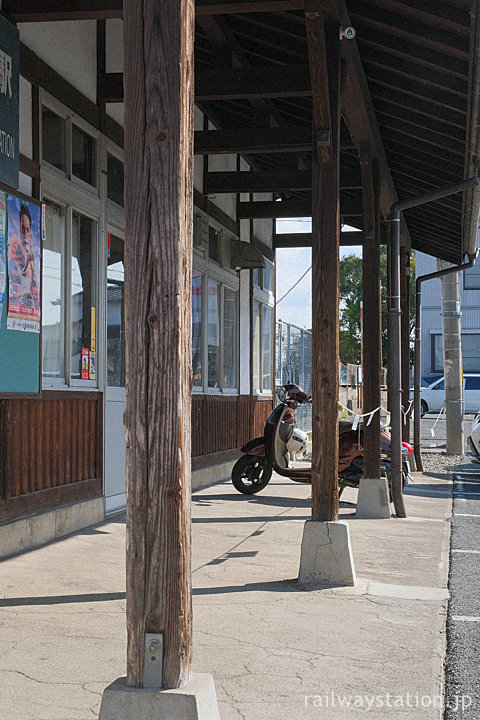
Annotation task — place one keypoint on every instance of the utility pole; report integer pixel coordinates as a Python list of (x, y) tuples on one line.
[(452, 360)]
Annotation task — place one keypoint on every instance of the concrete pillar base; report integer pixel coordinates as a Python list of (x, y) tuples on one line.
[(373, 499), (326, 557), (195, 701)]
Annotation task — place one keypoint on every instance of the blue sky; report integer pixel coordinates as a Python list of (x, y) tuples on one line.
[(296, 308)]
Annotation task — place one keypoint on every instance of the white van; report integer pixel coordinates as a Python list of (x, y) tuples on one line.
[(433, 396)]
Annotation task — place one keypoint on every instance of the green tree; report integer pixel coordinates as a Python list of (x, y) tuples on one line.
[(351, 289)]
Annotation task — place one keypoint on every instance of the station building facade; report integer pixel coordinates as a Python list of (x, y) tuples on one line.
[(62, 448)]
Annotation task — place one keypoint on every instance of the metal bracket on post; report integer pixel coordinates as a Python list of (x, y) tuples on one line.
[(152, 677)]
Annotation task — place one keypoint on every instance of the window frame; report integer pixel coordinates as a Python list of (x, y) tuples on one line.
[(265, 298), (214, 271), (113, 392), (70, 118)]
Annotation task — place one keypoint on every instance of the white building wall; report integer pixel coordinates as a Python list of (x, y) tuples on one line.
[(69, 48), (432, 307)]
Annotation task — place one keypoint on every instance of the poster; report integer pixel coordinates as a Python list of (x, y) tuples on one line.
[(23, 229), (3, 245)]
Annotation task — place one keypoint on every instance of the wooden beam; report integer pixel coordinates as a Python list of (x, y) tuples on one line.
[(256, 182), (272, 81), (229, 7), (278, 181), (22, 11), (243, 141), (158, 75), (291, 208), (110, 87)]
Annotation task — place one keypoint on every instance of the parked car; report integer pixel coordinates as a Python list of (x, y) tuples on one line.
[(433, 396), (473, 440), (427, 380)]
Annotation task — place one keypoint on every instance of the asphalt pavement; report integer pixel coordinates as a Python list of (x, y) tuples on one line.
[(463, 623), (433, 430)]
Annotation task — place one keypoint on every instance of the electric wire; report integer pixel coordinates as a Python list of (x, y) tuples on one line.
[(293, 286)]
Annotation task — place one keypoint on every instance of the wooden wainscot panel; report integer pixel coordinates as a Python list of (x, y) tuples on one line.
[(221, 424), (49, 442)]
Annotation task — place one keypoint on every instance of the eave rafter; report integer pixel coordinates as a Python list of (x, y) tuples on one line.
[(21, 11)]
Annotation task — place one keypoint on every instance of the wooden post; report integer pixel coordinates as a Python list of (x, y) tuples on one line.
[(325, 285), (158, 78), (405, 329), (372, 340)]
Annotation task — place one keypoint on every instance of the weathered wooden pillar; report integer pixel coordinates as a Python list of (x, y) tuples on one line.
[(372, 329), (325, 300), (373, 497), (158, 82), (158, 90), (405, 329), (326, 554)]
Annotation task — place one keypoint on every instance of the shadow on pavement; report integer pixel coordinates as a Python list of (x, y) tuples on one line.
[(61, 599)]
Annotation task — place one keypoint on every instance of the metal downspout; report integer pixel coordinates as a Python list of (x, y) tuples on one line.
[(472, 158), (418, 358)]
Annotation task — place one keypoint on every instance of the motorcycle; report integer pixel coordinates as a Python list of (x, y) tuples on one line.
[(282, 438)]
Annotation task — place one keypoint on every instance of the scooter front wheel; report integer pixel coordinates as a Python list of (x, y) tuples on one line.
[(251, 473)]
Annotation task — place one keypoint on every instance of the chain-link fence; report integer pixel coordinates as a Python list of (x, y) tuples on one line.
[(294, 365)]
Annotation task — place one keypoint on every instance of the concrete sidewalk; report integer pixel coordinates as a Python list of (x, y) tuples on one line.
[(276, 652)]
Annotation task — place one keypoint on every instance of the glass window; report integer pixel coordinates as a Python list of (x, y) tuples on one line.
[(197, 314), (257, 275), (115, 313), (472, 383), (439, 386), (213, 334), (266, 347), (471, 352), (83, 291), (115, 179), (53, 293), (267, 277), (84, 156), (230, 343), (213, 244), (53, 139), (262, 346)]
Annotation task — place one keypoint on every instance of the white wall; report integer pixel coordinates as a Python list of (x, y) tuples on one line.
[(69, 48)]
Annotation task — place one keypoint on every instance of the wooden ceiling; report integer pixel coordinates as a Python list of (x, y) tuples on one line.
[(410, 100)]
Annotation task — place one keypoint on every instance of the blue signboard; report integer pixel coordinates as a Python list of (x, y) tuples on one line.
[(9, 79)]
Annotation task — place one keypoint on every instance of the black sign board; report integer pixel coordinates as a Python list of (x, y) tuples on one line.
[(9, 79)]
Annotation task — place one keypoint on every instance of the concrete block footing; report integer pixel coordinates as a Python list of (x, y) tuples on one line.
[(195, 701), (373, 499), (326, 557)]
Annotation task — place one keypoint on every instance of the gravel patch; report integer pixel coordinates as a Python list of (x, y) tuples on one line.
[(443, 463)]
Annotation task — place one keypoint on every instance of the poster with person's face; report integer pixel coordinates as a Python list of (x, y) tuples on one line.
[(23, 223)]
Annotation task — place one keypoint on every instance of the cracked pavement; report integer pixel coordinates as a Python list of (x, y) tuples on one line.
[(275, 650)]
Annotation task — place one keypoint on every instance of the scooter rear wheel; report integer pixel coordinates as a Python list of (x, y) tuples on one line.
[(251, 473)]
